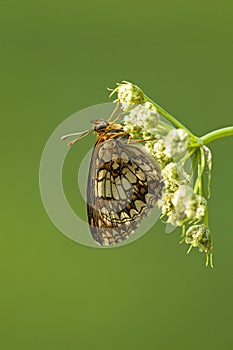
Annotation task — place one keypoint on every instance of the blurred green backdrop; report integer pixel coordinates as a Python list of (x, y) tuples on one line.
[(58, 57)]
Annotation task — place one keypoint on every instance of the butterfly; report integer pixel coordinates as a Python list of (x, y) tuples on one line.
[(124, 183)]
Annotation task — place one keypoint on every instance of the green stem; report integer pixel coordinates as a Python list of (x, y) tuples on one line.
[(201, 166), (188, 155), (169, 117), (206, 218), (217, 134), (164, 126), (202, 188)]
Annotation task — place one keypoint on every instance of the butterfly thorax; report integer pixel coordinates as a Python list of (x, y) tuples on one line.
[(106, 130)]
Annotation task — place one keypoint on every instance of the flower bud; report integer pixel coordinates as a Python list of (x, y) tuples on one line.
[(129, 94)]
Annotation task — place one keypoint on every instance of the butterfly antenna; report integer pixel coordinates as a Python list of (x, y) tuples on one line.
[(82, 133), (114, 111), (117, 117)]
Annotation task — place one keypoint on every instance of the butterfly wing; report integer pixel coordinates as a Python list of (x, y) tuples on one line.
[(124, 183)]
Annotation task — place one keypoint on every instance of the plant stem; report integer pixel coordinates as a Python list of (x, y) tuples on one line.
[(217, 134), (169, 117), (198, 187)]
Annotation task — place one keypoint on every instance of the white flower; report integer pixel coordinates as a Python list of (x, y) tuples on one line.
[(182, 202), (141, 121), (201, 205), (129, 93), (182, 197), (159, 152), (170, 175), (187, 206), (142, 116), (165, 203), (176, 142), (170, 172), (199, 236)]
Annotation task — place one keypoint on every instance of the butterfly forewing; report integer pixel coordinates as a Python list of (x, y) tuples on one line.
[(124, 183)]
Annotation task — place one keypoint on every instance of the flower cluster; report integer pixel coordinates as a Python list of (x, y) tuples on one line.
[(187, 206), (176, 142), (199, 236), (128, 94), (179, 203), (141, 120), (177, 151)]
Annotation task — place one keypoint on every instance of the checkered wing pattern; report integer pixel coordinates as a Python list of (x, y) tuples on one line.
[(124, 183)]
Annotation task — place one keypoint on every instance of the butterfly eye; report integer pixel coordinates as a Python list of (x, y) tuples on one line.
[(99, 124)]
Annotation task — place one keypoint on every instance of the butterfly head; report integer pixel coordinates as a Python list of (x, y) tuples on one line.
[(99, 125)]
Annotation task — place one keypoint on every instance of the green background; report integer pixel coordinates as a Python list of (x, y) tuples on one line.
[(58, 57)]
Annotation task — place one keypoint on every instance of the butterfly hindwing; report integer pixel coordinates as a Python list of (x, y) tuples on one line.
[(124, 183)]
